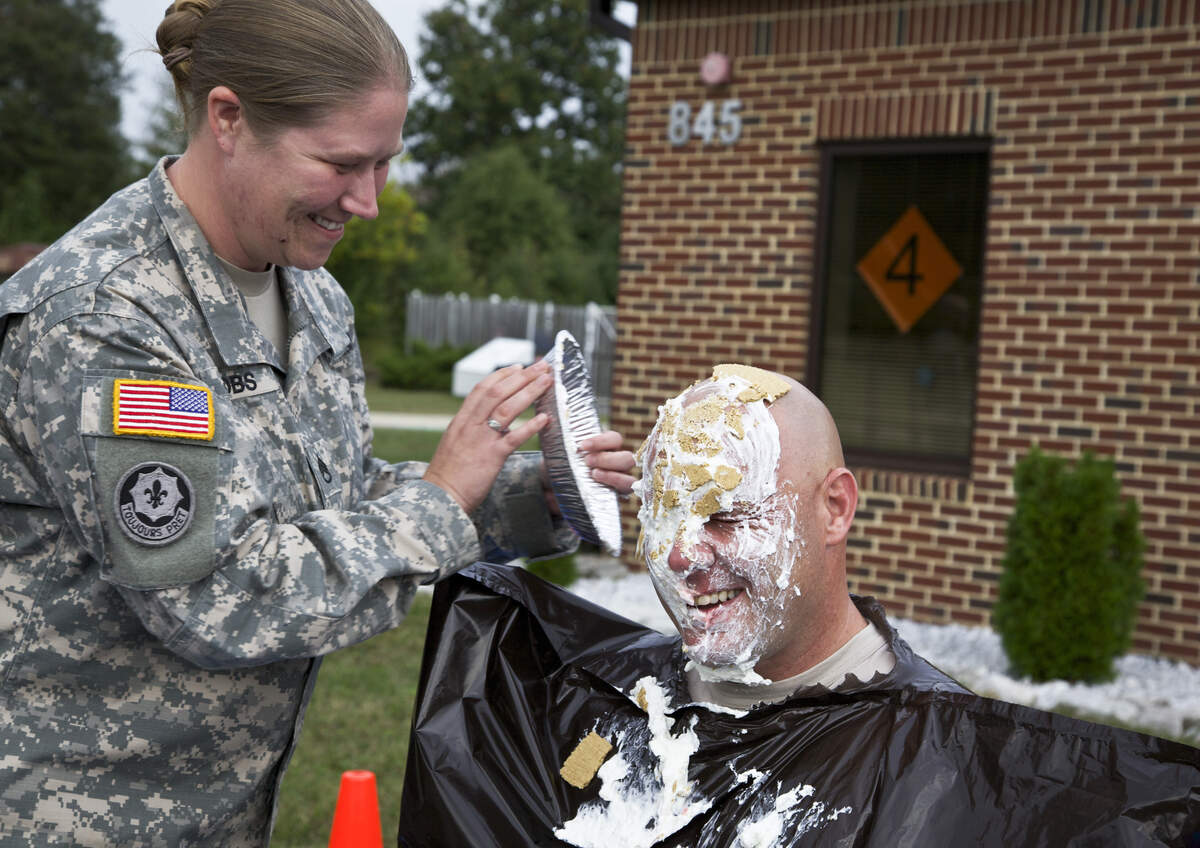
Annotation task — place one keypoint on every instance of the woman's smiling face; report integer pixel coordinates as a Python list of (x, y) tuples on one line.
[(289, 198)]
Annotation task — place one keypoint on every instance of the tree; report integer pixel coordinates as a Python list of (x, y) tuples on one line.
[(515, 229), (165, 134), (534, 76), (25, 213), (60, 142), (373, 263)]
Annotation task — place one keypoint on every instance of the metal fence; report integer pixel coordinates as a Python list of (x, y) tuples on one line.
[(458, 320)]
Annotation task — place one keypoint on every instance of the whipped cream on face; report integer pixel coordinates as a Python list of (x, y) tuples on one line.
[(714, 456)]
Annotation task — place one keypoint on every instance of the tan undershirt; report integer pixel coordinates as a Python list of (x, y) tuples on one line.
[(865, 654), (264, 303)]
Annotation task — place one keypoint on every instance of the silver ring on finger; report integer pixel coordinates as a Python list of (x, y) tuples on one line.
[(497, 426)]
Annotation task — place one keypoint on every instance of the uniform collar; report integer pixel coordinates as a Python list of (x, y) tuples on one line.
[(238, 341), (911, 671)]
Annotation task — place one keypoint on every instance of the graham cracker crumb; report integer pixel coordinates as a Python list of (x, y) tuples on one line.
[(727, 477), (697, 475), (708, 504), (706, 411), (583, 763), (733, 420), (764, 385), (699, 443)]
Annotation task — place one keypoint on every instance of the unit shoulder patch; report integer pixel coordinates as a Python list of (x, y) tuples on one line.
[(154, 503), (163, 408)]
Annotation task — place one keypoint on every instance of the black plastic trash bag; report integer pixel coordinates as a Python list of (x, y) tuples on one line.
[(517, 671)]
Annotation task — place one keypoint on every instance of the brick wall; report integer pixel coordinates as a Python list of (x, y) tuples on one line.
[(1091, 307)]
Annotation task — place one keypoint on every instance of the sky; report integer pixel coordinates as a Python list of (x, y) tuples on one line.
[(134, 23)]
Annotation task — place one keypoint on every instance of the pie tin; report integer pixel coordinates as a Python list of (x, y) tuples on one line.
[(590, 508)]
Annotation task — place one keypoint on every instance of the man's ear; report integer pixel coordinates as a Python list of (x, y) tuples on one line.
[(225, 117), (840, 492)]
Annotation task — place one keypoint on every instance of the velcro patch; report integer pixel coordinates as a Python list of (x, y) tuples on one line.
[(158, 509), (162, 408)]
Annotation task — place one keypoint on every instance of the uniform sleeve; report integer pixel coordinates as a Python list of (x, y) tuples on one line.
[(236, 590), (514, 521)]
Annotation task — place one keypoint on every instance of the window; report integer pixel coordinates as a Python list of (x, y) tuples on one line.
[(895, 340)]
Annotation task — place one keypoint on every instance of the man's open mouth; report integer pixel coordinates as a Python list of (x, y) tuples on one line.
[(714, 599)]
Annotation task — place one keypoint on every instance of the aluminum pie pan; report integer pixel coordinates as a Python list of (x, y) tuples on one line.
[(590, 508)]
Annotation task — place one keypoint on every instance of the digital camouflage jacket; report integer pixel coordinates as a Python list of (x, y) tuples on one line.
[(185, 524)]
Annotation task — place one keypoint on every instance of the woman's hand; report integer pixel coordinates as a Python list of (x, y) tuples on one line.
[(478, 439), (610, 464)]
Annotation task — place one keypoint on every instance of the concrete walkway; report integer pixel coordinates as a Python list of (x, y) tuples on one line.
[(600, 565), (408, 421), (419, 420)]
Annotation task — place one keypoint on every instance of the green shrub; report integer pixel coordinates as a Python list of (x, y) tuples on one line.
[(561, 570), (424, 368), (1072, 570)]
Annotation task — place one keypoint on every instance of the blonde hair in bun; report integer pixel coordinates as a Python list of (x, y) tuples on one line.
[(175, 35), (290, 62)]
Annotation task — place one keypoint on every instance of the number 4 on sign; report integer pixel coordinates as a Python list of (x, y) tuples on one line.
[(909, 252), (927, 273)]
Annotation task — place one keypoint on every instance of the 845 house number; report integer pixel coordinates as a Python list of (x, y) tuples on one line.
[(723, 126)]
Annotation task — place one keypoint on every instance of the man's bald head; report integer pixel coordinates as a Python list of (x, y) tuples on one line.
[(809, 443)]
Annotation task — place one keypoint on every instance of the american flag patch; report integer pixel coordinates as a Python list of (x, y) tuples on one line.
[(162, 408)]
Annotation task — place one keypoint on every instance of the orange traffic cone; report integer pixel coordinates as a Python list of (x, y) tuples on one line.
[(356, 819)]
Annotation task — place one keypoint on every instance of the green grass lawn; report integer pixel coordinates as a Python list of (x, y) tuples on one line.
[(380, 399), (359, 718), (398, 445)]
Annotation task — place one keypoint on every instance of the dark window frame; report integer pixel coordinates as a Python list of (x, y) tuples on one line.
[(881, 459)]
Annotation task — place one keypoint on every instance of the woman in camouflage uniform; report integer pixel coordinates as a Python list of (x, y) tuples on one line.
[(190, 514)]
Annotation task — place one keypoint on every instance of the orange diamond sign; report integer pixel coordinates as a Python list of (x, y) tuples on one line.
[(909, 269)]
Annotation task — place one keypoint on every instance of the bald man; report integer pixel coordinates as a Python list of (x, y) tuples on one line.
[(746, 506), (796, 716)]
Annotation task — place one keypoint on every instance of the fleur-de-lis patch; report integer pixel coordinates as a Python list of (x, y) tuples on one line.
[(154, 503)]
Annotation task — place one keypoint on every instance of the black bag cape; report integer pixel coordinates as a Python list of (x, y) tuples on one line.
[(517, 671)]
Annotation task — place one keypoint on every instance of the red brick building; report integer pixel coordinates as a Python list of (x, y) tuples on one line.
[(1045, 291)]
